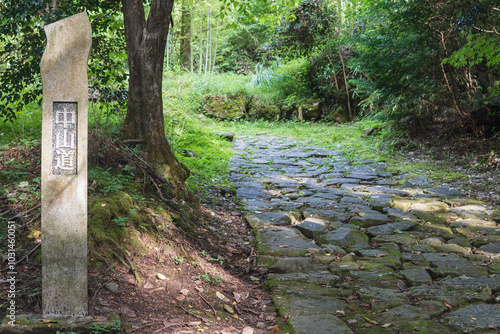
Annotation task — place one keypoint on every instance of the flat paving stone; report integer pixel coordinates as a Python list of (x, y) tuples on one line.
[(251, 193), (319, 324), (416, 276), (391, 228), (329, 215), (266, 219), (370, 219), (312, 227), (444, 264), (345, 237), (283, 241), (289, 264), (474, 317)]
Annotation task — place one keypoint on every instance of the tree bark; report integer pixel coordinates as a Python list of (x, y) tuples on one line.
[(185, 47), (146, 41)]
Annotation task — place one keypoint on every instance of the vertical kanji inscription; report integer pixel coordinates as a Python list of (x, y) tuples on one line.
[(64, 134)]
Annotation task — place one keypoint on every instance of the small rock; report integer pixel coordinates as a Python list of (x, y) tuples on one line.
[(128, 312), (161, 276), (432, 242), (247, 330), (148, 286), (113, 287), (184, 292), (229, 136)]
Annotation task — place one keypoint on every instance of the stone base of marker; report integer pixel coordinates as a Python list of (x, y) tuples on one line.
[(37, 324)]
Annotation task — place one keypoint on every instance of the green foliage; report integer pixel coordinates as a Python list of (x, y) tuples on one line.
[(22, 45), (305, 28)]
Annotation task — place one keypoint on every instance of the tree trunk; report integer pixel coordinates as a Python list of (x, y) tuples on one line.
[(146, 41), (185, 48)]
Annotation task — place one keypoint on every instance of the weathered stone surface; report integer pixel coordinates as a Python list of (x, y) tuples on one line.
[(294, 303), (443, 264), (319, 324), (265, 219), (344, 237), (229, 136), (402, 239), (324, 278), (64, 166), (444, 192), (399, 215), (371, 253), (329, 215), (493, 249), (472, 211), (386, 190), (473, 318), (424, 310), (380, 298), (416, 276), (370, 219), (312, 227), (219, 106), (283, 241), (289, 264), (472, 283), (339, 181), (390, 228), (434, 206), (251, 193), (452, 248), (380, 201)]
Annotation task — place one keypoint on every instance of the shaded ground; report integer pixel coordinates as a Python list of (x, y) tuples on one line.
[(187, 284)]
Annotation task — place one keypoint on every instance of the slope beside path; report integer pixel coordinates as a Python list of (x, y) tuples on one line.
[(350, 251)]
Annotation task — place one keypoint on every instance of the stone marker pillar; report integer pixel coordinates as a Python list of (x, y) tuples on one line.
[(64, 166)]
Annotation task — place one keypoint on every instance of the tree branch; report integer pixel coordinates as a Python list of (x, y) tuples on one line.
[(494, 31)]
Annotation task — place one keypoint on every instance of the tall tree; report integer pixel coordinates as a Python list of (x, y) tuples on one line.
[(146, 40), (185, 47)]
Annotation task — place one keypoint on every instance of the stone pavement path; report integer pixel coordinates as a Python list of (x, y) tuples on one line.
[(348, 251)]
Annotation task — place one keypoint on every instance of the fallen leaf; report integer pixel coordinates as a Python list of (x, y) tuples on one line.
[(194, 323), (361, 214), (370, 321), (386, 325), (48, 321), (236, 316), (352, 321), (283, 246), (220, 296), (276, 328), (161, 276), (448, 305), (492, 327), (184, 291), (228, 309), (366, 324), (34, 234)]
